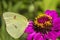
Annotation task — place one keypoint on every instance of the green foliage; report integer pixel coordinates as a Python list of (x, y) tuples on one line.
[(28, 8), (50, 4)]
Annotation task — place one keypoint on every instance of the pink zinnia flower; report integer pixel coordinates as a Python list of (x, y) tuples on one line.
[(44, 27)]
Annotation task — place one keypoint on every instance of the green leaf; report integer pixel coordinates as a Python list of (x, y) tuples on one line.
[(10, 6), (15, 24), (17, 6), (50, 4), (4, 4)]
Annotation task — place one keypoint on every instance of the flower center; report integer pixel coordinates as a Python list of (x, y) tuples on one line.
[(43, 22)]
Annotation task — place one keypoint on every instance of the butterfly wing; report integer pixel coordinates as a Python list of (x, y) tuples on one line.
[(15, 24)]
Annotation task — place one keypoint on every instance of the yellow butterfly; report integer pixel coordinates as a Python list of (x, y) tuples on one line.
[(15, 24)]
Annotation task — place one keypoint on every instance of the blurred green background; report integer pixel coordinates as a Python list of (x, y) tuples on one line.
[(28, 8)]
